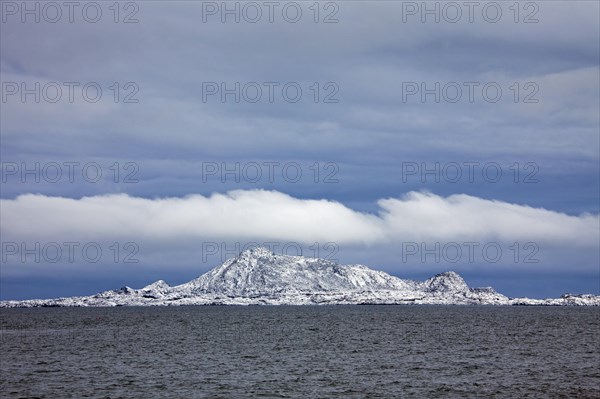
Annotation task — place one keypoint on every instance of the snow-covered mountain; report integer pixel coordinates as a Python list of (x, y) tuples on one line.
[(258, 276)]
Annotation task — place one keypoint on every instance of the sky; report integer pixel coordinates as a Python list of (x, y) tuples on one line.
[(154, 139)]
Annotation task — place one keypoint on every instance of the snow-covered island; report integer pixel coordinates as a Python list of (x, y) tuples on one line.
[(260, 277)]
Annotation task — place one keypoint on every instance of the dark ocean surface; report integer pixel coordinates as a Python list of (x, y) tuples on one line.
[(301, 352)]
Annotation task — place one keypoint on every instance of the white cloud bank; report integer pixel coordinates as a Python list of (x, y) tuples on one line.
[(272, 215)]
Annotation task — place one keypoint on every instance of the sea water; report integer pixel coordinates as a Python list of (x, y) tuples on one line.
[(300, 352)]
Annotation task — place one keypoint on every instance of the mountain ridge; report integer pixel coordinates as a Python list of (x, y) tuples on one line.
[(259, 277)]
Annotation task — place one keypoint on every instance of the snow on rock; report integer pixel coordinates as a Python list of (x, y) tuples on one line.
[(446, 282), (259, 277)]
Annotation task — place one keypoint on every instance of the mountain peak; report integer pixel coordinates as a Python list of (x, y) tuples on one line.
[(159, 285), (258, 272), (447, 281), (256, 252), (450, 275)]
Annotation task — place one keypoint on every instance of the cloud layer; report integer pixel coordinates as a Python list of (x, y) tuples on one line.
[(272, 215)]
